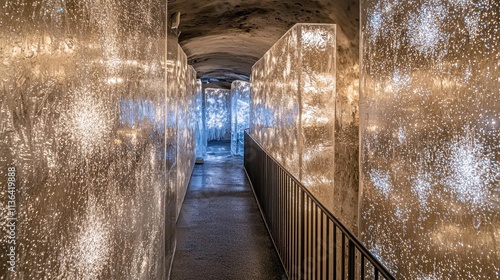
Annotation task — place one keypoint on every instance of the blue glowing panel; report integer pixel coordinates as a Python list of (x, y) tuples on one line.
[(240, 102), (201, 143), (218, 113), (186, 126)]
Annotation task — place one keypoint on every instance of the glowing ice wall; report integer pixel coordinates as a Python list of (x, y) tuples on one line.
[(171, 128), (240, 99), (430, 134), (201, 144), (82, 122), (186, 132), (181, 120), (344, 203), (218, 113), (292, 107)]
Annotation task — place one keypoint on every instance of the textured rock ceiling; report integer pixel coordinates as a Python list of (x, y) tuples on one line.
[(224, 38)]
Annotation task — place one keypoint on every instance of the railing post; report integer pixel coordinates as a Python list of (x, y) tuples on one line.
[(351, 264), (302, 245)]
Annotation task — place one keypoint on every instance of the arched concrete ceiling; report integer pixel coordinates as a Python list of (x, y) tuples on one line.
[(224, 38)]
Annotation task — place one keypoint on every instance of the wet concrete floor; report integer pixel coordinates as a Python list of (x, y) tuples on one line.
[(220, 232)]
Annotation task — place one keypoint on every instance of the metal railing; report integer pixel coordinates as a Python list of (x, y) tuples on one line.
[(311, 242)]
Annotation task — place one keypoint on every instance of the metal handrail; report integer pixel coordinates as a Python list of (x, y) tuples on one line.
[(353, 243)]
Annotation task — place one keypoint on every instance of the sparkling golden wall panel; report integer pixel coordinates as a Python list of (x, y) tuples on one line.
[(430, 134), (240, 99), (344, 203), (292, 107), (84, 122), (218, 113), (82, 111)]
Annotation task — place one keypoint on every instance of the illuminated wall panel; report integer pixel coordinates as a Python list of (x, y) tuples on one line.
[(344, 203), (430, 134), (181, 121), (218, 113), (91, 128), (275, 104), (240, 99), (201, 144), (171, 137), (292, 107), (186, 126), (82, 121)]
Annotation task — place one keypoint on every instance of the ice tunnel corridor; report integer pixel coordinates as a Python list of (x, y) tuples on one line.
[(220, 232), (249, 139)]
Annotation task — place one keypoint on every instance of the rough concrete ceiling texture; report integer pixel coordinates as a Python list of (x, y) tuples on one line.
[(224, 38)]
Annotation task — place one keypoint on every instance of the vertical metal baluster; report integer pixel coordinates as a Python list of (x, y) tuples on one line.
[(362, 274), (273, 198), (343, 256), (291, 228), (294, 228), (296, 232), (298, 235), (279, 207), (266, 195), (351, 261), (270, 196), (280, 212), (302, 236), (311, 239), (316, 242), (327, 248), (284, 207), (308, 236), (306, 243), (269, 187), (279, 217), (322, 251), (288, 204), (264, 185), (334, 251), (282, 218)]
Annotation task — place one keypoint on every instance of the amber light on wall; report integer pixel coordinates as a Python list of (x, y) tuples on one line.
[(292, 107), (430, 134)]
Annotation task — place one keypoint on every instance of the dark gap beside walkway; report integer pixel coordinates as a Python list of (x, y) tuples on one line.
[(220, 232)]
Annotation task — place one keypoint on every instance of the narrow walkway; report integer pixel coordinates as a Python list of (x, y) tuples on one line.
[(220, 233)]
